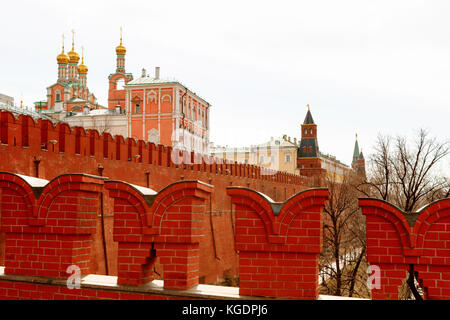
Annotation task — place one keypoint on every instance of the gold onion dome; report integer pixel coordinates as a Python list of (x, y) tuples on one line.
[(82, 68), (73, 56), (120, 49), (62, 58)]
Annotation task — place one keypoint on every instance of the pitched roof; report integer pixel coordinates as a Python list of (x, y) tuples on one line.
[(308, 118)]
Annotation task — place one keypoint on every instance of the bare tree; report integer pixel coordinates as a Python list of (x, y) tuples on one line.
[(381, 170), (343, 255), (406, 176)]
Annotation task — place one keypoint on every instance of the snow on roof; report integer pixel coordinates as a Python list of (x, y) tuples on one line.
[(143, 190), (34, 182), (98, 112), (95, 112), (150, 80)]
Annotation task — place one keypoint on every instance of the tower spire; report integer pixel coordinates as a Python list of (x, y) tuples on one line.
[(355, 150), (121, 35), (73, 40), (358, 162), (308, 118)]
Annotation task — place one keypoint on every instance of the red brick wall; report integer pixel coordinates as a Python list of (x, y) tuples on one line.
[(45, 235), (50, 226), (168, 225), (279, 244), (394, 245), (86, 151)]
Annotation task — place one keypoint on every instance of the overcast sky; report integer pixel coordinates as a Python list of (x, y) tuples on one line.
[(363, 66)]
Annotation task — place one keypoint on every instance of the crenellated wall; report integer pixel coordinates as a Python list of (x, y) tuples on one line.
[(41, 149), (49, 227), (279, 243)]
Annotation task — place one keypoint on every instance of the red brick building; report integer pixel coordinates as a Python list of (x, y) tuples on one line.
[(150, 108), (166, 112), (116, 93), (313, 163)]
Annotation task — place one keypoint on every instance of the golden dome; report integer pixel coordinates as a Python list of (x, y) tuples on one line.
[(73, 56), (120, 49), (82, 68), (62, 58)]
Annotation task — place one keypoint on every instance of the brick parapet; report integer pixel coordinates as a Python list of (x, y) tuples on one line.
[(168, 225), (278, 243), (47, 228), (396, 240)]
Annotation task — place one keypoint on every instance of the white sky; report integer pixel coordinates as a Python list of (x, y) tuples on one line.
[(363, 66)]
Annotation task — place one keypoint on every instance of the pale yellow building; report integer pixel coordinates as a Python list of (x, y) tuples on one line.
[(335, 170), (278, 154)]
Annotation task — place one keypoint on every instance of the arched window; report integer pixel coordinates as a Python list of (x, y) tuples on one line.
[(57, 96), (310, 131), (136, 103)]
